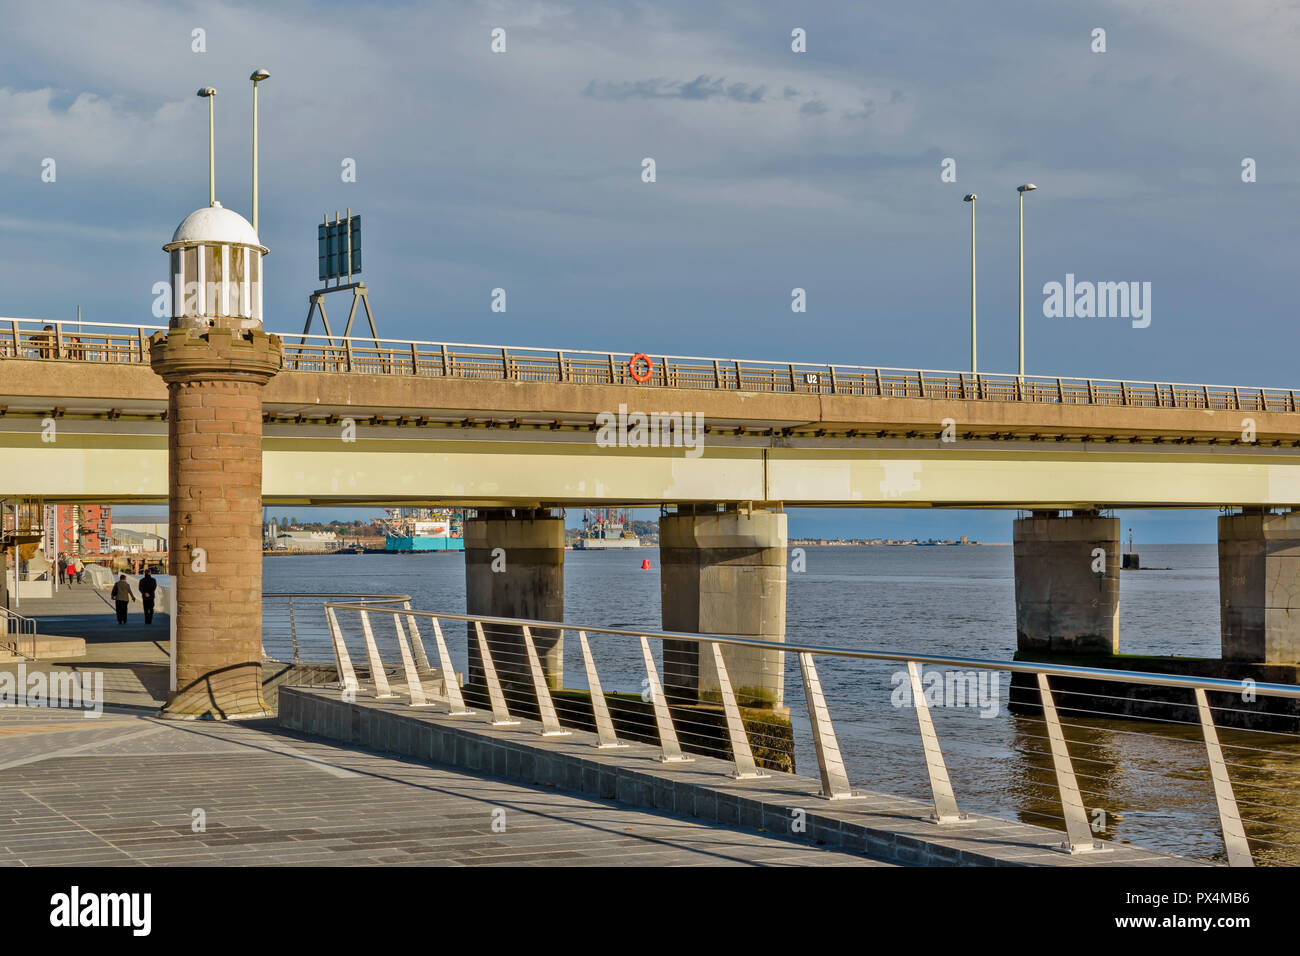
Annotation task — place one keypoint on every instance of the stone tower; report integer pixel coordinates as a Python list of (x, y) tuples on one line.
[(216, 359)]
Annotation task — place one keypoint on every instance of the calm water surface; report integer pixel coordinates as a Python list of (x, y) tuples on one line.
[(1153, 789)]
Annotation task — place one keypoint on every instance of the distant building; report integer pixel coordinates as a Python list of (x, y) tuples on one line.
[(307, 541), (126, 541), (78, 529), (154, 528)]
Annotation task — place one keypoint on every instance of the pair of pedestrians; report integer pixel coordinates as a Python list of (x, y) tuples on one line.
[(122, 596)]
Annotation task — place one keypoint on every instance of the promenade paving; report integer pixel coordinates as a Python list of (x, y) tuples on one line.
[(123, 790), (377, 782), (133, 657)]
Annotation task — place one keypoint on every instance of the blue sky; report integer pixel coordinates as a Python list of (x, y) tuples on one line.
[(775, 170)]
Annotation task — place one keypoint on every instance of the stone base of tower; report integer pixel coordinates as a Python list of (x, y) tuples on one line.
[(230, 693), (214, 423)]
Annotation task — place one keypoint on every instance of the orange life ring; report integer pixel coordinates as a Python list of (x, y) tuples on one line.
[(649, 368)]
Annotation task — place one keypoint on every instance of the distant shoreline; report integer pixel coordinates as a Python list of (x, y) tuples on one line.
[(861, 543)]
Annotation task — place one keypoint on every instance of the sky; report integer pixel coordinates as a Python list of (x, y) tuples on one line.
[(774, 170)]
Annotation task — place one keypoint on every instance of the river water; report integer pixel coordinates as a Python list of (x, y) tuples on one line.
[(1143, 783)]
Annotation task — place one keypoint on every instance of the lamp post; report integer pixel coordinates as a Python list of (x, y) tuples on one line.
[(257, 77), (1027, 187), (208, 93), (974, 363)]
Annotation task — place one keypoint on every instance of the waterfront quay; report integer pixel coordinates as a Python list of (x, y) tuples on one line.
[(330, 781)]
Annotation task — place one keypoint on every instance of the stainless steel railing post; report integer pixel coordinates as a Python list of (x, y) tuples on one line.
[(545, 705), (741, 753), (377, 673), (1078, 832), (414, 688), (835, 779), (1234, 834), (500, 712), (449, 680), (672, 750), (606, 739), (945, 803), (347, 674)]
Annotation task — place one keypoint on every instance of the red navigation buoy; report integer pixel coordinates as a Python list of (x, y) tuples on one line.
[(645, 564)]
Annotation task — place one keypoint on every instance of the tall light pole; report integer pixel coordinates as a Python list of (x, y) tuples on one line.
[(208, 93), (1027, 187), (974, 363), (257, 77)]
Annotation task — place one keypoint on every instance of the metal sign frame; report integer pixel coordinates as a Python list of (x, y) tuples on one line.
[(347, 228)]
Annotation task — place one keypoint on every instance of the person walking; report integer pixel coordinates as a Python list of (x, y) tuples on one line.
[(148, 590), (122, 594), (63, 570), (81, 569)]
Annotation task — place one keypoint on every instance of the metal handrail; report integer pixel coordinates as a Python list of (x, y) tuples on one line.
[(13, 623), (834, 777), (1214, 684), (297, 640), (17, 623), (339, 354)]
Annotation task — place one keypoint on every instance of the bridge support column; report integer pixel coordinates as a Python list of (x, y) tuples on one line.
[(1067, 582), (214, 429), (514, 567), (724, 572), (1259, 587)]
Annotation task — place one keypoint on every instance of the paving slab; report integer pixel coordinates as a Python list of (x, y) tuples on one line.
[(126, 795), (882, 826)]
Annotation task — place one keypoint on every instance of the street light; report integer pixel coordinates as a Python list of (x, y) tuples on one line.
[(970, 198), (257, 77), (1027, 187), (208, 93)]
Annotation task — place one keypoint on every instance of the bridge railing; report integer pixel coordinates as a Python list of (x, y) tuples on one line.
[(129, 345), (74, 341), (1070, 766)]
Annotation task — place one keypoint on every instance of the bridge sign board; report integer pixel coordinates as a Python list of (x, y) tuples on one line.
[(339, 247)]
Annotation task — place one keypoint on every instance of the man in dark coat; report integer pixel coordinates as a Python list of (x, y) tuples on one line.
[(148, 590)]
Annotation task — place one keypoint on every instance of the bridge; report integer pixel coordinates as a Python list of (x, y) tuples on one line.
[(518, 432), (359, 421)]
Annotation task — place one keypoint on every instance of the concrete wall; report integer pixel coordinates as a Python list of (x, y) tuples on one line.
[(1259, 587), (528, 583), (723, 572), (1063, 601)]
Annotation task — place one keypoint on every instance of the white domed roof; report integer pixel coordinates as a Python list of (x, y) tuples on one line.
[(215, 224)]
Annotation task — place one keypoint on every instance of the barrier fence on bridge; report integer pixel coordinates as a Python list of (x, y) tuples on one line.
[(1169, 781), (129, 345)]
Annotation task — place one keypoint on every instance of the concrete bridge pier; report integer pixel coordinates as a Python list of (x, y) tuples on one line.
[(1259, 586), (724, 572), (214, 428), (514, 567), (1067, 582)]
